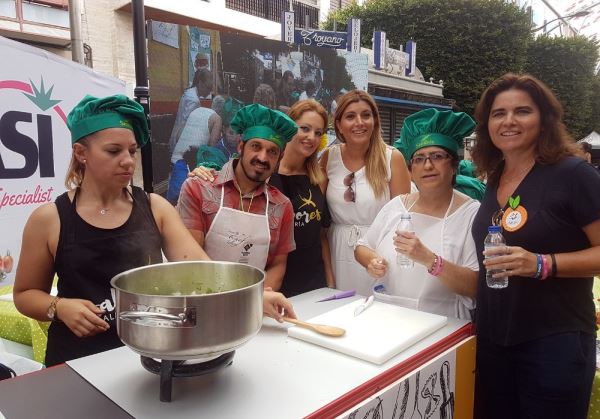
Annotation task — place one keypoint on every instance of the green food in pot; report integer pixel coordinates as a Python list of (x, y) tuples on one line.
[(186, 279)]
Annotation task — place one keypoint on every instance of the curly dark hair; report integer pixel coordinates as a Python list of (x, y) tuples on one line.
[(265, 95), (554, 142)]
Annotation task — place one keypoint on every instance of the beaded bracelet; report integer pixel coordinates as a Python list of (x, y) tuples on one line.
[(437, 266), (545, 268), (538, 268), (434, 264)]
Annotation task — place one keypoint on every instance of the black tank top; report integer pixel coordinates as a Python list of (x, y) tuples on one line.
[(87, 258)]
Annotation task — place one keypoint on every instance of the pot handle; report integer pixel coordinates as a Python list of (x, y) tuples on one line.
[(134, 315)]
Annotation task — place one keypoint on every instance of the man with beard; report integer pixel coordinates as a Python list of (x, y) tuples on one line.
[(239, 217)]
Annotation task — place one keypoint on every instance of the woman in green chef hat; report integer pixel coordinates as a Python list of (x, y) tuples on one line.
[(102, 226), (443, 279), (467, 181)]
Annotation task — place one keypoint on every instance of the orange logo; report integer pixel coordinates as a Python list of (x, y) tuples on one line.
[(516, 216)]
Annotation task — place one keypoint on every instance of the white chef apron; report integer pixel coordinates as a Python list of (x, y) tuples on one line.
[(416, 288), (238, 236)]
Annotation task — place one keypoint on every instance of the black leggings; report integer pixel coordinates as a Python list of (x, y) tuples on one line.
[(550, 377)]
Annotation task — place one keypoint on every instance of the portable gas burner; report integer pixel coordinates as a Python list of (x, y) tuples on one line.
[(167, 369)]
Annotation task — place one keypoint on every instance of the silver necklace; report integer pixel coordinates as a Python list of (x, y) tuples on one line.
[(104, 211)]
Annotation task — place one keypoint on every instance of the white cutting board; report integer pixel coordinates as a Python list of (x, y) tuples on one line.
[(377, 334)]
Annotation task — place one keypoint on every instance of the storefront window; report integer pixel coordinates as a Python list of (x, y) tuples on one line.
[(8, 9), (45, 14)]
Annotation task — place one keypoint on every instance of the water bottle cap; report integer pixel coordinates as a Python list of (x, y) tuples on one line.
[(494, 229)]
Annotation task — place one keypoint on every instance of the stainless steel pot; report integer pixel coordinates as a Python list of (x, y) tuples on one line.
[(188, 310)]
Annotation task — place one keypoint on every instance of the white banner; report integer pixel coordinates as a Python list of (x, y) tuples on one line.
[(37, 91), (287, 28), (166, 33), (428, 393), (397, 61)]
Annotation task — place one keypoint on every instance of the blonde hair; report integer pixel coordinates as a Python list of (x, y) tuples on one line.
[(76, 169), (375, 162), (311, 164)]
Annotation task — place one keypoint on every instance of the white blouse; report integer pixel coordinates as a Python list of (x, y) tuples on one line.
[(450, 237)]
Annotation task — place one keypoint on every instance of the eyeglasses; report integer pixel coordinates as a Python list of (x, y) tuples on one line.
[(349, 195), (436, 156)]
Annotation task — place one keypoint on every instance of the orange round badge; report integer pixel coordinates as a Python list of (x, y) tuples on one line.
[(515, 216)]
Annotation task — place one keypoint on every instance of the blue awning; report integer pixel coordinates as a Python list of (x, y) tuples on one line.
[(403, 102)]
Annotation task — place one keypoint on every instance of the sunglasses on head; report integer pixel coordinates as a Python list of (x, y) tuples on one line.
[(349, 195), (436, 156), (497, 217)]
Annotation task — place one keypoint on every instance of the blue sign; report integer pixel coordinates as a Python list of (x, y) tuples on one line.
[(328, 39), (353, 35), (411, 49), (379, 49)]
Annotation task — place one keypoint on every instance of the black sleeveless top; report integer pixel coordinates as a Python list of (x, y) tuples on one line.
[(87, 258)]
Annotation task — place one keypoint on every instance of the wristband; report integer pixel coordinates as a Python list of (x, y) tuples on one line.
[(538, 268), (545, 267), (441, 267), (554, 267)]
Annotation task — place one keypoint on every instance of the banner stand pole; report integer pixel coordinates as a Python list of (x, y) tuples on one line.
[(141, 91)]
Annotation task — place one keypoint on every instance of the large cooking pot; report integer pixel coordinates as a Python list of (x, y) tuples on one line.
[(188, 310)]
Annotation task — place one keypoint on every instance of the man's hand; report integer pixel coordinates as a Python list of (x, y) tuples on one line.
[(275, 305)]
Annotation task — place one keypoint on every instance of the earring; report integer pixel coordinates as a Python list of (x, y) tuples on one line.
[(84, 161)]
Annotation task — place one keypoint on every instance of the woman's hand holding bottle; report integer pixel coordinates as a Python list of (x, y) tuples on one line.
[(408, 246), (404, 229)]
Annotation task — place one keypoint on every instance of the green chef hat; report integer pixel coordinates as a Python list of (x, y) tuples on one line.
[(467, 168), (210, 157), (258, 121), (470, 186), (401, 147), (94, 114), (230, 108), (431, 127)]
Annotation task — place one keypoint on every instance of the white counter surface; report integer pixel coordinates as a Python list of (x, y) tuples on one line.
[(272, 376)]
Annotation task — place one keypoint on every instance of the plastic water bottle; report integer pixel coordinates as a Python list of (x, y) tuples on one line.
[(405, 224), (494, 239)]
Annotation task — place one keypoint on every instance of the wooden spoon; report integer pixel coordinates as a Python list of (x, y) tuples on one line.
[(319, 328)]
